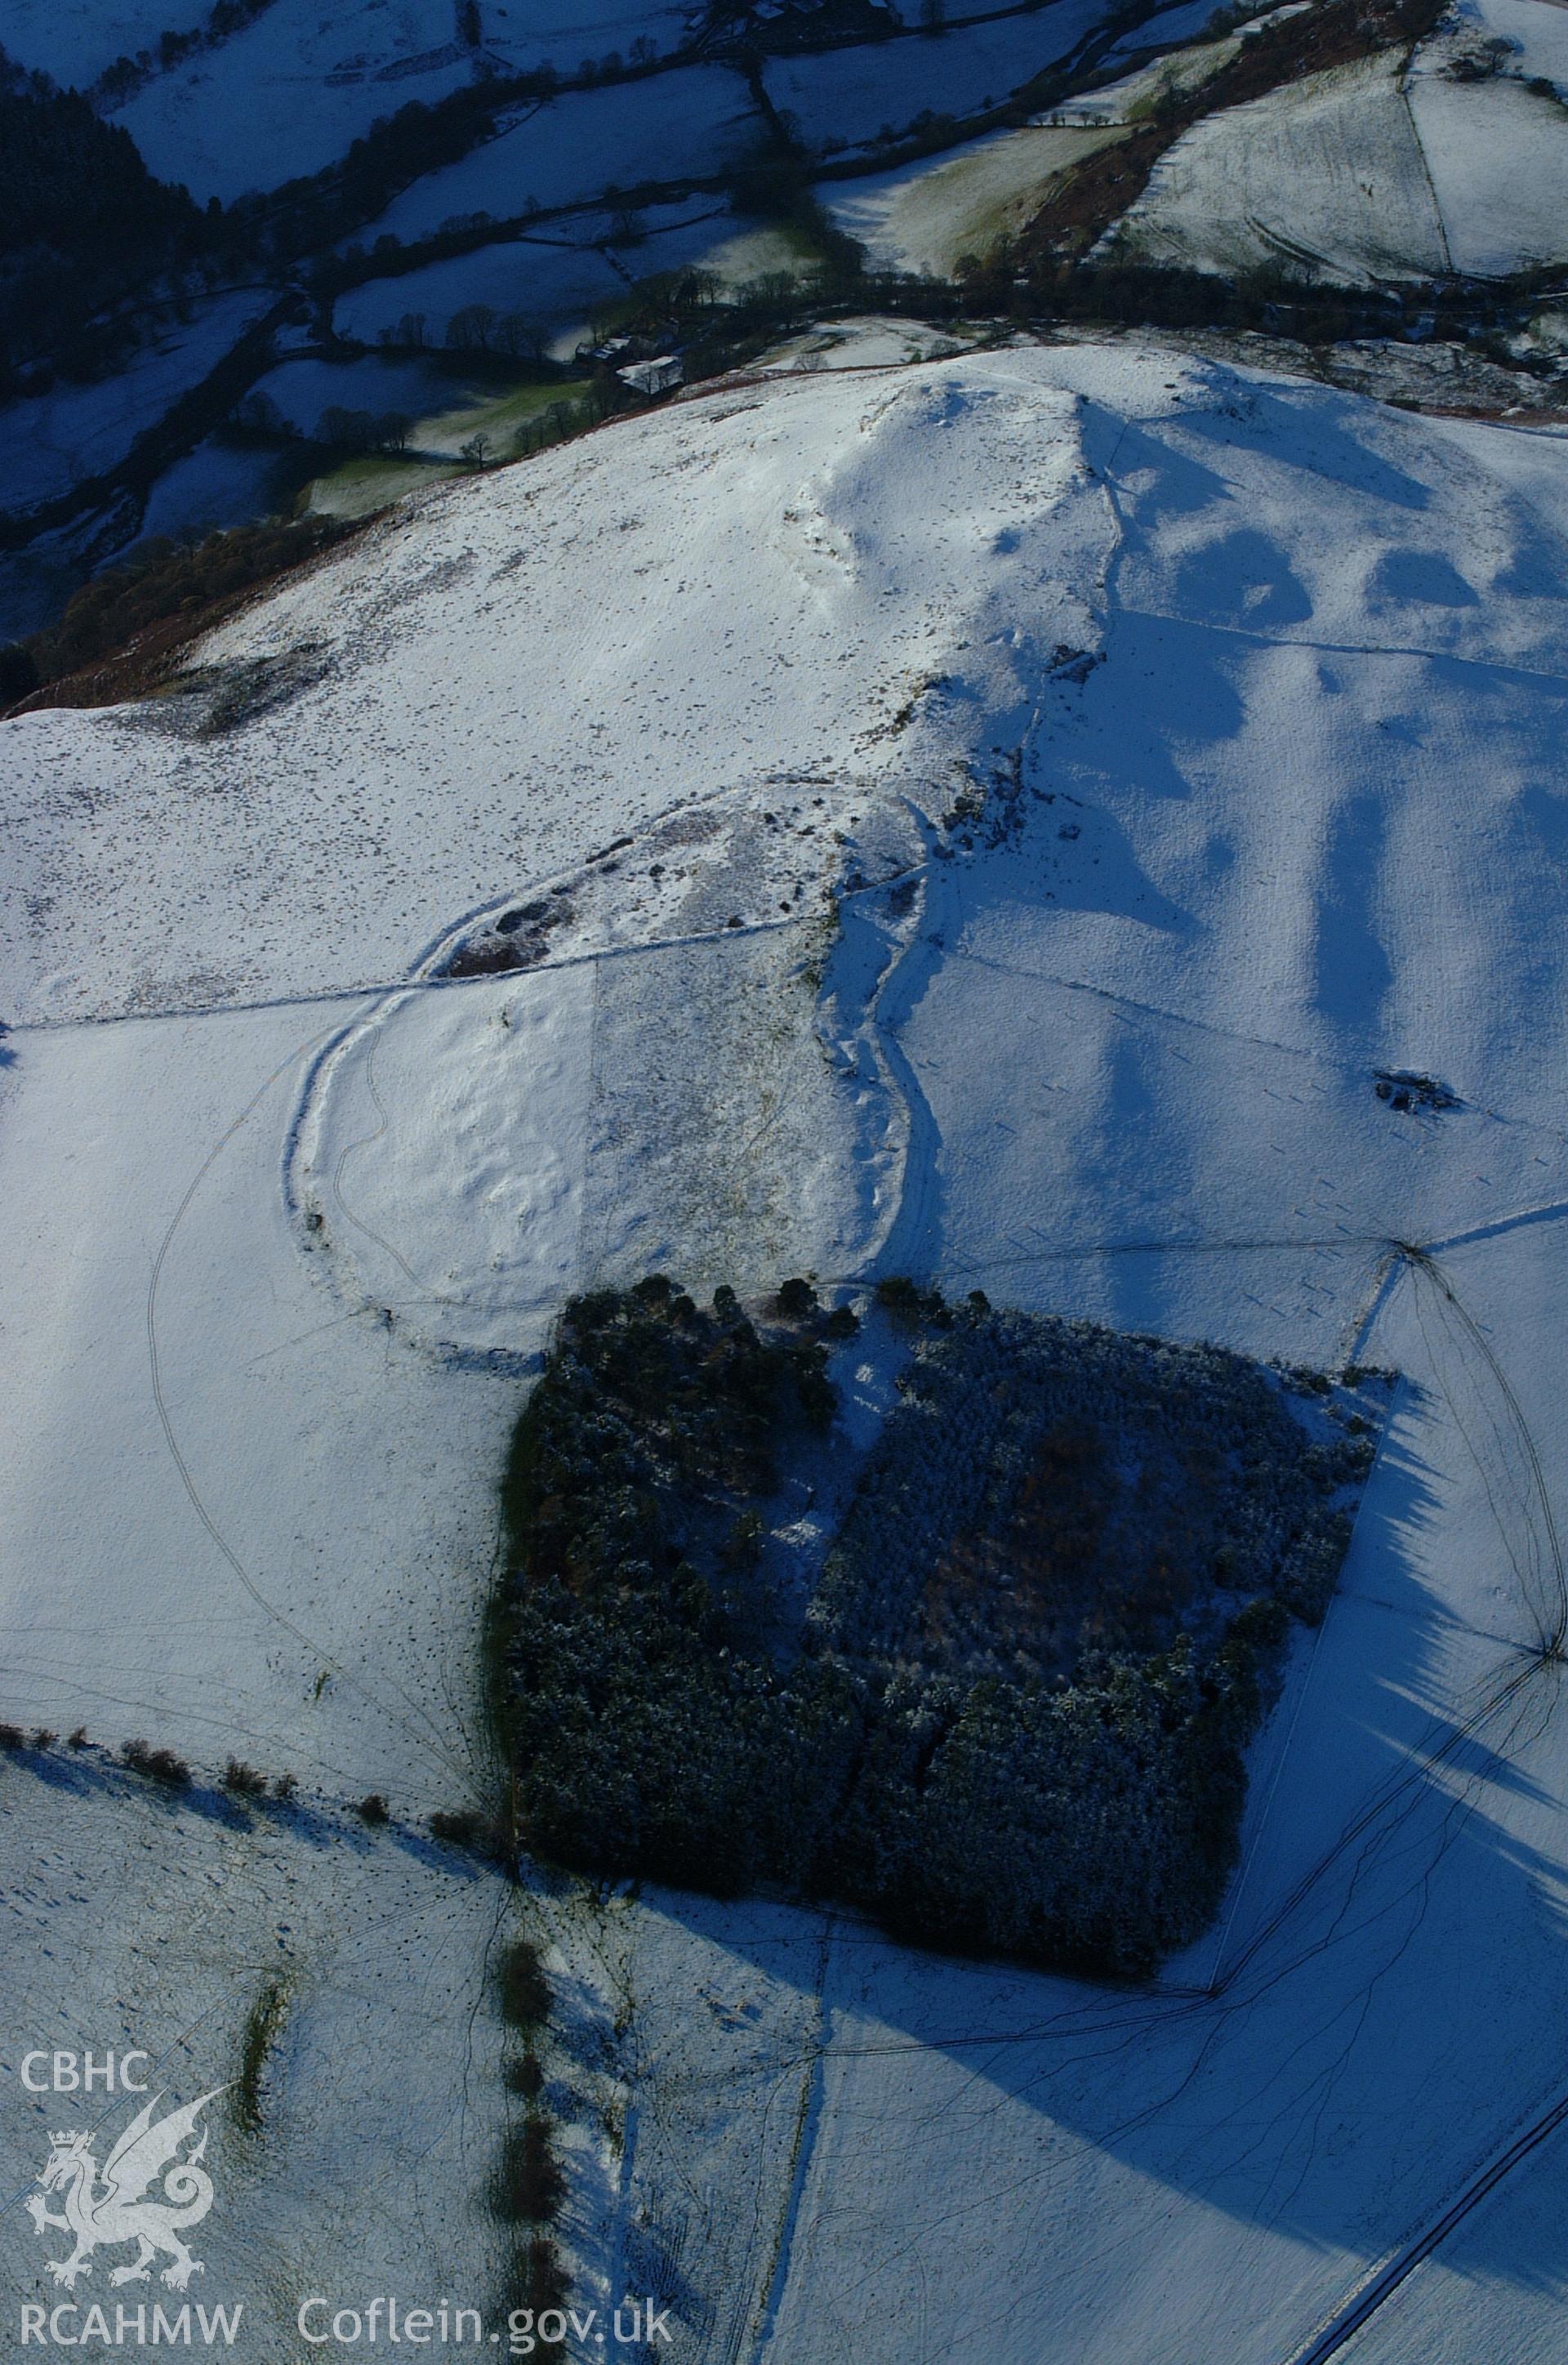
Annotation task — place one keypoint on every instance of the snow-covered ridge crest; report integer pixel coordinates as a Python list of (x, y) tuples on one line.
[(509, 674), (967, 483), (889, 572)]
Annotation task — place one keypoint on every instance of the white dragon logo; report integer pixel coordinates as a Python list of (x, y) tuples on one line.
[(103, 2211)]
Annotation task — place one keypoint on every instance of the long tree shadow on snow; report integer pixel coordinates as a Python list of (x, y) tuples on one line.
[(1331, 2059)]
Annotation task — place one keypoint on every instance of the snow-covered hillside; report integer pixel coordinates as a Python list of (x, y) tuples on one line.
[(1000, 817), (926, 217), (158, 1924), (1380, 171), (506, 677)]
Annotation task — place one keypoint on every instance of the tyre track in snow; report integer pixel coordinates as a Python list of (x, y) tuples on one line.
[(1451, 1737), (910, 1243), (906, 977), (415, 1724), (1387, 2279), (1551, 1639), (1104, 2026), (764, 2313)]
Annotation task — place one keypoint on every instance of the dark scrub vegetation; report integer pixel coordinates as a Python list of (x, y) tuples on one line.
[(121, 634), (1012, 1716)]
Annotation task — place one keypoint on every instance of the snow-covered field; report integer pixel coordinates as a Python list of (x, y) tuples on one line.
[(303, 389), (288, 93), (560, 276), (1185, 741), (1184, 22), (74, 42), (1498, 166), (1369, 172), (845, 98), (1327, 176), (133, 1921), (297, 1595), (868, 340), (677, 126), (53, 440), (1128, 99), (549, 282), (525, 33), (219, 484)]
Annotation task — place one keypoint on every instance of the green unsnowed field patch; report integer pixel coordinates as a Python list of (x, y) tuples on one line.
[(373, 481), (1011, 1716), (475, 435), (497, 419)]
